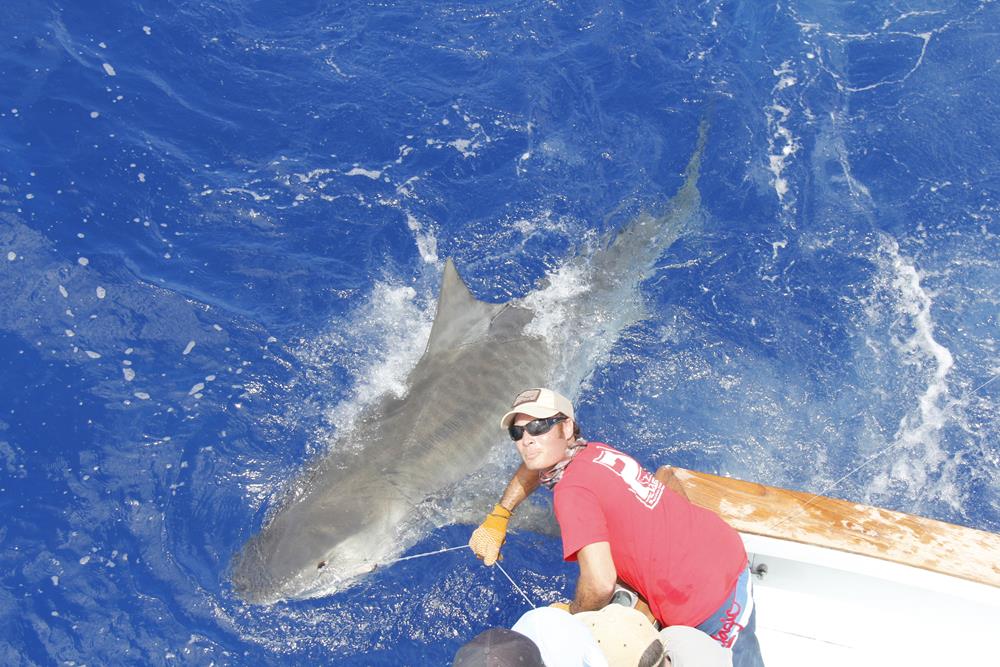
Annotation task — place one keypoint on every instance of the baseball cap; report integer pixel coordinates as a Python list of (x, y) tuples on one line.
[(625, 636), (690, 647), (562, 638), (538, 403), (499, 647)]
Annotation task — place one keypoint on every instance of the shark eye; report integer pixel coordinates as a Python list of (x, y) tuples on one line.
[(321, 565)]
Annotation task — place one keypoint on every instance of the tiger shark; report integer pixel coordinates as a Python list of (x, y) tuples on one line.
[(362, 504)]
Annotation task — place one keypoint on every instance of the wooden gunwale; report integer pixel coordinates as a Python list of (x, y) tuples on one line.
[(916, 541)]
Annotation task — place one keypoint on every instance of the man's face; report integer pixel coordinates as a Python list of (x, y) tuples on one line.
[(541, 452)]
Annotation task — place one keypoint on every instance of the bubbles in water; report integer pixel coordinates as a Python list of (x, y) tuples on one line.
[(922, 359)]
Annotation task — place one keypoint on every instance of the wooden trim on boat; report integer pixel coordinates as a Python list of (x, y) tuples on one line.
[(838, 524)]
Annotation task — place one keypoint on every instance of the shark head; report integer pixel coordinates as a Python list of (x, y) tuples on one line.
[(322, 542)]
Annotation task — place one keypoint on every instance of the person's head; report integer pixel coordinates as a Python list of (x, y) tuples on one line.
[(499, 647), (541, 424), (561, 637), (625, 636), (690, 647)]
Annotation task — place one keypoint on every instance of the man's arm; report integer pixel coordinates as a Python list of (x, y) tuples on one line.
[(521, 485), (486, 540), (597, 579)]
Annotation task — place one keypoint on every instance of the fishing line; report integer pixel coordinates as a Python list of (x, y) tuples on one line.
[(429, 553), (516, 587), (995, 376), (466, 546), (833, 486), (876, 455)]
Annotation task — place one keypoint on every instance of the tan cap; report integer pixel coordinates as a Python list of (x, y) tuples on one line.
[(625, 636), (538, 403)]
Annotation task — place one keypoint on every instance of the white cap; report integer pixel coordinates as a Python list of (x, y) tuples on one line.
[(562, 639), (690, 647), (538, 403)]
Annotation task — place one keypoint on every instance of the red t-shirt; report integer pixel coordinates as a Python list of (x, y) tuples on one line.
[(681, 558)]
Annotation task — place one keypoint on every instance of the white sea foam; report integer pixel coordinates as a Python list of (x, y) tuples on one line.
[(551, 304), (404, 150), (228, 191), (312, 175), (781, 143), (406, 188), (925, 39), (856, 186), (465, 147), (367, 173), (544, 220), (785, 82), (584, 323), (919, 431), (379, 345), (336, 68), (426, 240)]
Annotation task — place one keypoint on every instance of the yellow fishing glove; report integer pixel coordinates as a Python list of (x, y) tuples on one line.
[(489, 537)]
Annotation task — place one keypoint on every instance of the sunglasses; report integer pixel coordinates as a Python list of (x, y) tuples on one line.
[(534, 427)]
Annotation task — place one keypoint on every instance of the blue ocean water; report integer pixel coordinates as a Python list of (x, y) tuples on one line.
[(222, 226)]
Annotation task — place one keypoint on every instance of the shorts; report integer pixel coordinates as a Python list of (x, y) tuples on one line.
[(726, 623)]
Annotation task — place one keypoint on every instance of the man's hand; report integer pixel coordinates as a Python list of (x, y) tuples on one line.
[(489, 537)]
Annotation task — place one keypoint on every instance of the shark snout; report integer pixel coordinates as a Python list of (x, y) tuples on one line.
[(265, 576)]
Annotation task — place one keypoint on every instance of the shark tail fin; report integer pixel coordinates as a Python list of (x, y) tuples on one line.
[(460, 316)]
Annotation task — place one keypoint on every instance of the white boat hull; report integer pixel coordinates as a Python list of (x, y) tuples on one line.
[(850, 585), (817, 606)]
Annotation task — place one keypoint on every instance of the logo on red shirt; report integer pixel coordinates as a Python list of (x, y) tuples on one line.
[(640, 482)]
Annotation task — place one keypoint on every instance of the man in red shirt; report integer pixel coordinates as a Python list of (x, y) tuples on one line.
[(620, 523)]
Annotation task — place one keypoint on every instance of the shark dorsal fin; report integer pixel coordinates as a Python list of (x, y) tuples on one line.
[(460, 316)]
